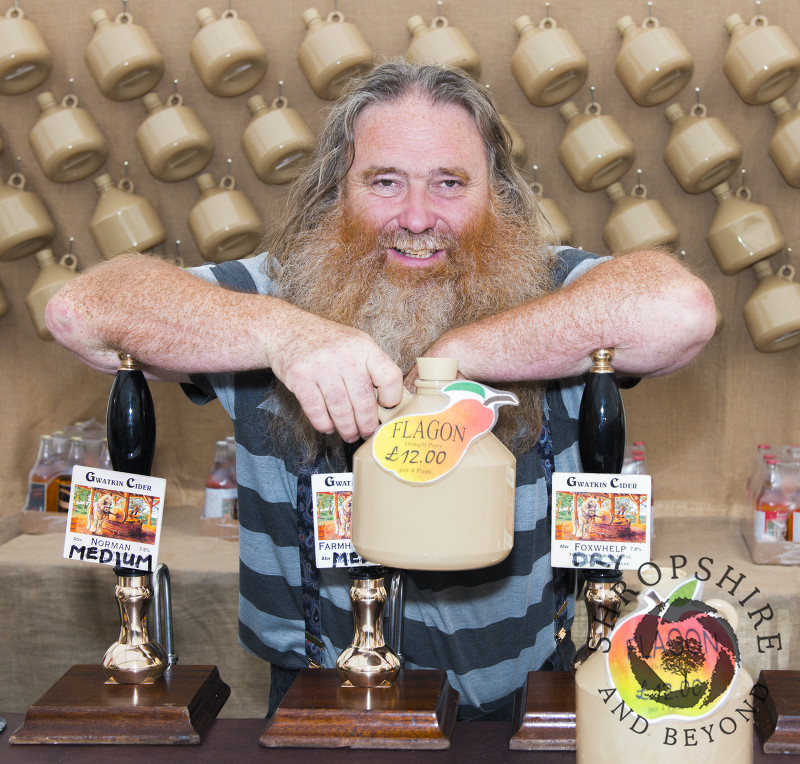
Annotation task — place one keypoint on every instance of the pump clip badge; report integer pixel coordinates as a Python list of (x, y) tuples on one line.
[(673, 659), (423, 448)]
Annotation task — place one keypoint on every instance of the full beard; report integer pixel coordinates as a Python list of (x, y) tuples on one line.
[(341, 271)]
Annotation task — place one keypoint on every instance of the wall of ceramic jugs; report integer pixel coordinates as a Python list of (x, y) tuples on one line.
[(174, 128)]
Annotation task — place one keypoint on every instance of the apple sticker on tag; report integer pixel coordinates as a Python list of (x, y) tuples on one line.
[(673, 659)]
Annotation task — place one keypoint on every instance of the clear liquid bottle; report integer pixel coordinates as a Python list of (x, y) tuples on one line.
[(60, 451), (63, 480), (105, 456), (41, 474), (756, 477), (220, 500)]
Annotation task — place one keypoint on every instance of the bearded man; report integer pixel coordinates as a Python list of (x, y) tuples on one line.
[(411, 233)]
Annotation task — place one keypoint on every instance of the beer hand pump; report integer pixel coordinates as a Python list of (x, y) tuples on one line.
[(545, 708), (139, 695)]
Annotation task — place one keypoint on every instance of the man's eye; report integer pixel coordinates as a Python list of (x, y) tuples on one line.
[(451, 183)]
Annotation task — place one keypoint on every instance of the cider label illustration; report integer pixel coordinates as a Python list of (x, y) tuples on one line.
[(673, 659), (422, 448)]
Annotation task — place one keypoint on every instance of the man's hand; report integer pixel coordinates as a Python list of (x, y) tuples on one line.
[(334, 371)]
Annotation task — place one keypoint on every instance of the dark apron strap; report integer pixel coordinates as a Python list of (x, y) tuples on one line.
[(309, 575), (563, 578)]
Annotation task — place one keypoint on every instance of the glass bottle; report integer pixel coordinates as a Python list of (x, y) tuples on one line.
[(63, 480), (772, 506), (756, 478), (220, 497), (41, 474)]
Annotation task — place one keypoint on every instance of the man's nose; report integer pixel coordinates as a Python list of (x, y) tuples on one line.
[(417, 213)]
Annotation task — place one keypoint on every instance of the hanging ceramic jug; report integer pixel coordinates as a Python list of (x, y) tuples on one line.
[(444, 499), (441, 44), (224, 223), (3, 303), (123, 221), (742, 231), (701, 152), (277, 141), (652, 63), (52, 276), (548, 64), (226, 54), (636, 222), (25, 60), (66, 140), (122, 57), (784, 147), (560, 229), (761, 62), (25, 224), (519, 151), (172, 140), (772, 313), (595, 150), (332, 52)]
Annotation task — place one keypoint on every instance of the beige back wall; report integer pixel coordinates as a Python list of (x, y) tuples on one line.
[(701, 425)]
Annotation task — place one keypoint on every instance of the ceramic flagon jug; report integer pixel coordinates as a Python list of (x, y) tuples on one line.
[(761, 62), (433, 487), (52, 276), (223, 222), (277, 141), (742, 232), (519, 151), (172, 140), (560, 229), (66, 140), (701, 152), (548, 64), (123, 221), (226, 53), (784, 146), (25, 223), (653, 64), (772, 312), (594, 150), (122, 57), (636, 222), (332, 52), (25, 59), (440, 43)]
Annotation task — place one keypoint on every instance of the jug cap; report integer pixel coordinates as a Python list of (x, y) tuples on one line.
[(674, 112), (256, 103), (762, 269), (205, 16), (522, 23), (626, 22), (102, 182), (414, 23), (721, 190), (309, 15), (440, 369), (44, 257), (733, 21), (98, 15), (780, 106), (45, 100), (205, 181), (615, 191), (568, 110)]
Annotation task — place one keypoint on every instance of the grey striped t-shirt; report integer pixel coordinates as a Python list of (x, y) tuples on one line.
[(488, 628)]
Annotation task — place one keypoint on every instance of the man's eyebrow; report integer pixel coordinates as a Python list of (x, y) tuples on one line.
[(372, 172)]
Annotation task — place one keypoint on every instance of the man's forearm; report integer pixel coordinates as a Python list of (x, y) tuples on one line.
[(171, 321), (645, 305)]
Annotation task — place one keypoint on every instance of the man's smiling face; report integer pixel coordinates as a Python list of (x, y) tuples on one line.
[(419, 178)]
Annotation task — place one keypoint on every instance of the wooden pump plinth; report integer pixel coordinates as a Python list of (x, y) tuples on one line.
[(123, 701), (81, 708), (776, 698), (416, 712), (544, 713)]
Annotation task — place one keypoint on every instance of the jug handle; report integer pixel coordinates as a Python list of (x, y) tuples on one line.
[(69, 261), (786, 271), (385, 414)]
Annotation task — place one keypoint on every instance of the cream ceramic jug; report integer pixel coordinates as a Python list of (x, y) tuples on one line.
[(25, 59), (636, 222), (226, 53), (560, 228), (52, 276), (223, 222), (440, 43), (25, 223), (332, 52), (652, 63), (433, 487), (123, 221), (548, 64), (594, 150), (122, 57), (784, 146), (277, 141), (772, 312)]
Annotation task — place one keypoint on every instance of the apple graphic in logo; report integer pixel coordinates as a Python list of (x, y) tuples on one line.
[(673, 659)]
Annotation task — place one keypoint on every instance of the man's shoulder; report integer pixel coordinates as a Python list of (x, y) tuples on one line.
[(248, 275), (569, 263)]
